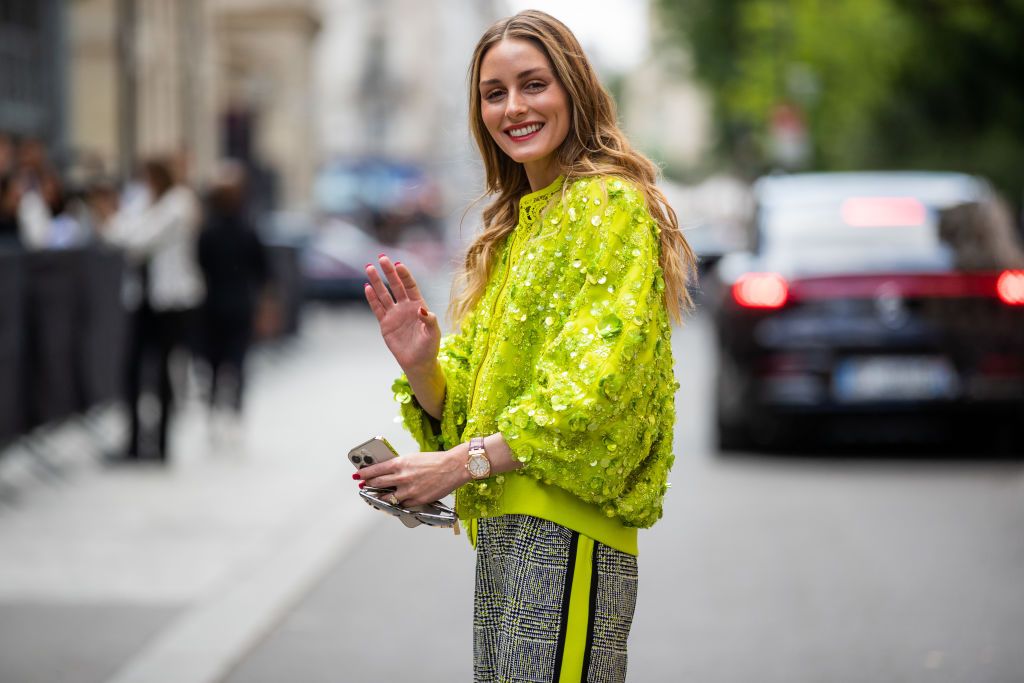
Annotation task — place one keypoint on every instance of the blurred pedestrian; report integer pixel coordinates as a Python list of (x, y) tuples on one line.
[(236, 272), (8, 153), (44, 216), (158, 232), (551, 410), (66, 230), (10, 198), (39, 191)]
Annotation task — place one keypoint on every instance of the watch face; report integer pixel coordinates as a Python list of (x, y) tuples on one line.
[(479, 466)]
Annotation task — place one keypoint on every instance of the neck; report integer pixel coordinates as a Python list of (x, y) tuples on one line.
[(542, 173)]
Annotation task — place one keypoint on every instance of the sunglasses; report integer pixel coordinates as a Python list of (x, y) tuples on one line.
[(435, 514)]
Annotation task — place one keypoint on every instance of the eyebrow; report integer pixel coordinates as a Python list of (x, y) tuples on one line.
[(519, 76)]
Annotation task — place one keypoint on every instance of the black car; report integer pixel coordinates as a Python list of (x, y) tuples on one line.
[(884, 305)]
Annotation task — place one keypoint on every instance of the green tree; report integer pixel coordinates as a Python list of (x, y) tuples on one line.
[(958, 98), (881, 83)]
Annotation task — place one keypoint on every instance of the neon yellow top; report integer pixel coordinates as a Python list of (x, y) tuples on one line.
[(568, 354)]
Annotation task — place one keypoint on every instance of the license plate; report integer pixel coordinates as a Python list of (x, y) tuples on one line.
[(894, 378)]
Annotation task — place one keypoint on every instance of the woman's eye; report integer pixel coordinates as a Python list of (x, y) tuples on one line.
[(494, 95), (535, 85)]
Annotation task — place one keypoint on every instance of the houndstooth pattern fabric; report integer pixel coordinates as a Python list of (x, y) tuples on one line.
[(522, 563)]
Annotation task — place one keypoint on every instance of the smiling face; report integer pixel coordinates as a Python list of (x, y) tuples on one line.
[(524, 107)]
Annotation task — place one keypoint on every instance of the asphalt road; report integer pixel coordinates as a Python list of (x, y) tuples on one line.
[(765, 568)]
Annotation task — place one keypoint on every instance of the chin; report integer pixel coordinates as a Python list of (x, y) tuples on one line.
[(523, 157)]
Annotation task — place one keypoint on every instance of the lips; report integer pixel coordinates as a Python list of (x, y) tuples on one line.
[(523, 132)]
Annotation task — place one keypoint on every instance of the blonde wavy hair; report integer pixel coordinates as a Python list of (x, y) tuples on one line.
[(594, 146)]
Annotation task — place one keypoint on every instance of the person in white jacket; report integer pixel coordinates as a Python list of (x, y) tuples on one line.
[(158, 231)]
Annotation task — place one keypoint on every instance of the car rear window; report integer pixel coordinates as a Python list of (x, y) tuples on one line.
[(901, 222), (974, 235)]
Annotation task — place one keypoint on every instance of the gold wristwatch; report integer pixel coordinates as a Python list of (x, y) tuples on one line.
[(478, 465)]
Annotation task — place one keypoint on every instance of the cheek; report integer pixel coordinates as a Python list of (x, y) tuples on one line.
[(564, 108), (491, 119), (561, 112), (558, 108)]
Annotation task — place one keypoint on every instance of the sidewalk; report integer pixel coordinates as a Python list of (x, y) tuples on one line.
[(262, 566), (171, 574)]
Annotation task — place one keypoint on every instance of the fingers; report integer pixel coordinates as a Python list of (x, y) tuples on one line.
[(375, 305), (384, 482), (427, 317), (403, 287), (388, 475), (378, 470), (408, 282), (394, 279), (414, 482), (379, 290)]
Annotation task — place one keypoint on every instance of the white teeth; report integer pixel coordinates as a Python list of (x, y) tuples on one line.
[(526, 130)]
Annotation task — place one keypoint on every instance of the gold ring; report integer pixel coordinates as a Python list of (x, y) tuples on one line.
[(393, 499)]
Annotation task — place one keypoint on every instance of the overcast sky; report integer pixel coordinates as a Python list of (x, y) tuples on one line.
[(613, 32)]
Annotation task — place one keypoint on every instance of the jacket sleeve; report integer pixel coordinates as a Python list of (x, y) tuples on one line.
[(454, 356), (589, 417)]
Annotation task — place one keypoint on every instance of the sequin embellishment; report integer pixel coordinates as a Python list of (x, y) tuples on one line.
[(582, 391)]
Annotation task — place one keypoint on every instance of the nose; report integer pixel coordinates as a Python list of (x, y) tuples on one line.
[(515, 105)]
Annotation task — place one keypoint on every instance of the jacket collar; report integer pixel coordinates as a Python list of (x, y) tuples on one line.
[(531, 204)]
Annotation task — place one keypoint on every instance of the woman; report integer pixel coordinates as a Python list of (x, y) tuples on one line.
[(551, 411), (158, 233)]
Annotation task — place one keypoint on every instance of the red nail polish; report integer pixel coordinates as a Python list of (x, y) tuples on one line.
[(398, 263), (369, 265), (362, 484), (380, 255), (356, 476)]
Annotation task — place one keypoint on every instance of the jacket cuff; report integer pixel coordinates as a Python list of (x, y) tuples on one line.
[(423, 427)]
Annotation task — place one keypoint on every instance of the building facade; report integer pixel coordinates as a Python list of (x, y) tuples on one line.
[(664, 109), (393, 79), (32, 71), (197, 79)]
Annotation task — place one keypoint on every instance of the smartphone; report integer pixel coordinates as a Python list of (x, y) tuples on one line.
[(372, 452)]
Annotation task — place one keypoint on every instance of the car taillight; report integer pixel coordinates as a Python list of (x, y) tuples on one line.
[(1010, 287), (760, 290)]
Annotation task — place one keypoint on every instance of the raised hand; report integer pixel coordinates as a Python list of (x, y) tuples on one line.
[(409, 329)]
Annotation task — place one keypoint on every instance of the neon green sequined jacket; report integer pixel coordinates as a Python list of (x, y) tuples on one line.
[(568, 355)]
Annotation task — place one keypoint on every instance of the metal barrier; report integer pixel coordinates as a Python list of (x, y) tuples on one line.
[(63, 331), (12, 415), (52, 317), (104, 329)]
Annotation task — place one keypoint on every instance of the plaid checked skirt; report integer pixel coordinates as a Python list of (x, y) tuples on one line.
[(551, 605)]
